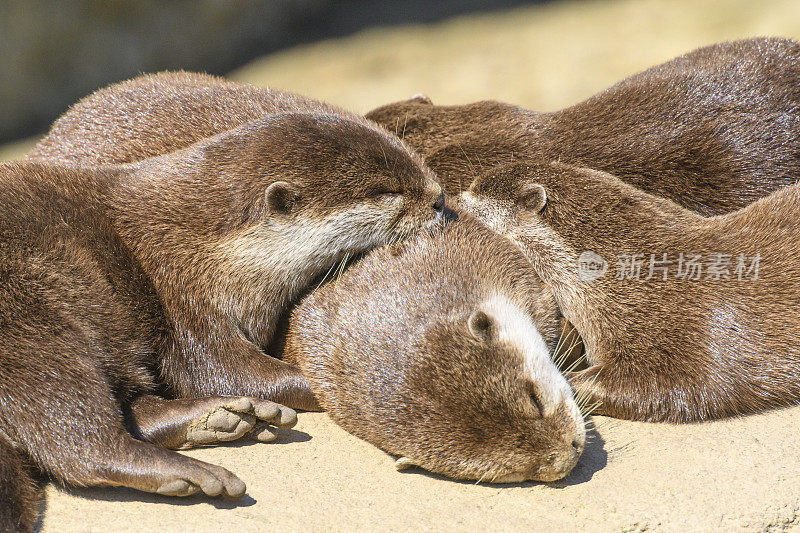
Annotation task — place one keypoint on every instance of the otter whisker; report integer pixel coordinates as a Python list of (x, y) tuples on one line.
[(558, 355), (590, 409), (325, 277), (575, 364), (480, 479), (575, 342), (342, 265)]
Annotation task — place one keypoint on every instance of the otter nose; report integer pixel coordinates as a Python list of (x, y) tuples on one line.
[(439, 203)]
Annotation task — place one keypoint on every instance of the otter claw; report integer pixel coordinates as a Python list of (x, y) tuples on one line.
[(404, 463)]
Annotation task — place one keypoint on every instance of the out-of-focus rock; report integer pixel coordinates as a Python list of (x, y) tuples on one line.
[(53, 52)]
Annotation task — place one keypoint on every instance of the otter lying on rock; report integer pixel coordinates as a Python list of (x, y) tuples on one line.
[(684, 318), (441, 353), (135, 300)]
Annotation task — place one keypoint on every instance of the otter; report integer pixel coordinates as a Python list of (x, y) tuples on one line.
[(136, 300), (544, 429), (440, 353), (684, 318), (712, 130)]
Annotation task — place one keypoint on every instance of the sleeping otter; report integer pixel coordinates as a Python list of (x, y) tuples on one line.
[(684, 318), (440, 353), (712, 130), (136, 300)]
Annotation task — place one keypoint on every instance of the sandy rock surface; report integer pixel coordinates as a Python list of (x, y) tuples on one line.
[(732, 475)]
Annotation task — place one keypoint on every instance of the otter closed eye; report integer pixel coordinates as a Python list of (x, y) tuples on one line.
[(663, 345)]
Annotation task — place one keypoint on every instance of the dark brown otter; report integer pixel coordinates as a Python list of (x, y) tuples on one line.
[(712, 130), (140, 295), (440, 353), (684, 318)]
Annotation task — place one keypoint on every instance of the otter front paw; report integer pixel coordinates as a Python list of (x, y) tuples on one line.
[(234, 418), (195, 476)]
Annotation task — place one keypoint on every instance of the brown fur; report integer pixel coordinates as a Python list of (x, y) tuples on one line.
[(389, 351), (99, 130), (217, 302), (660, 349), (122, 287), (712, 130), (156, 114), (20, 492)]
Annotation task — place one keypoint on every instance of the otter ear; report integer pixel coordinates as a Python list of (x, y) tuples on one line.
[(420, 98), (281, 196), (533, 197), (480, 325)]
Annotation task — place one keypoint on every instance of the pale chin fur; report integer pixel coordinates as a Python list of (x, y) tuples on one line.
[(493, 216), (516, 328), (309, 244)]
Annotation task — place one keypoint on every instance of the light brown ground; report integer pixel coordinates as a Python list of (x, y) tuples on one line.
[(729, 475)]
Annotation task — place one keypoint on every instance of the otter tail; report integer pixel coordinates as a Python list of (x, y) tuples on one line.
[(19, 491)]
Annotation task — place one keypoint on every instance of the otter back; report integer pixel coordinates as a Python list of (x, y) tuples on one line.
[(684, 318), (712, 130)]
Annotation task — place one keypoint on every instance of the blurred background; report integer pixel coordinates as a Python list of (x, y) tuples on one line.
[(542, 55)]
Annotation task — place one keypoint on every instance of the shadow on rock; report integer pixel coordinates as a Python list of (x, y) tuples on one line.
[(124, 494), (594, 459)]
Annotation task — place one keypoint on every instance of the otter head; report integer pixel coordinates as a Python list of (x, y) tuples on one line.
[(510, 197), (483, 400), (310, 189), (531, 202), (440, 354), (462, 141)]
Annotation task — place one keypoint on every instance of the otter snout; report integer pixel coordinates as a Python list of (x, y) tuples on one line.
[(560, 462), (435, 198), (564, 461), (438, 205)]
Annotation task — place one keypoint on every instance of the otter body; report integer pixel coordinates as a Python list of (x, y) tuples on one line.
[(137, 299), (684, 318), (712, 130), (440, 354), (157, 114), (82, 329)]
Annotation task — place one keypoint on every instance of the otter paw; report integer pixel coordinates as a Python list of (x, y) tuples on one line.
[(233, 418), (270, 416), (212, 480), (229, 420)]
